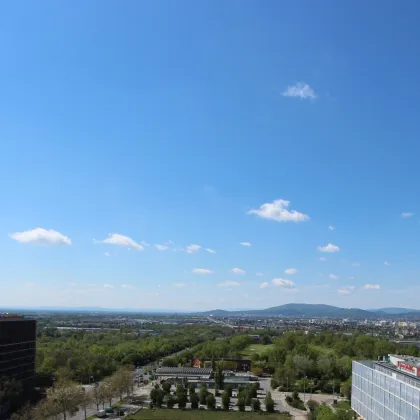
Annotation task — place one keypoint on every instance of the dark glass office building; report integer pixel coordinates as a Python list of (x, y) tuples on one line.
[(17, 346)]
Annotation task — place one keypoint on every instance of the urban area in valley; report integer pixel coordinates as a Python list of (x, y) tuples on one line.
[(292, 361)]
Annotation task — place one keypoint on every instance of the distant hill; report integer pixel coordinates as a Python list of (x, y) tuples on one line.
[(305, 310), (395, 311)]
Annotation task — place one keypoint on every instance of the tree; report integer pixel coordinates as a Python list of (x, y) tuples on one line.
[(256, 404), (67, 398), (274, 383), (170, 402), (166, 386), (47, 409), (108, 391), (160, 395), (102, 394), (218, 376), (269, 403), (225, 400), (25, 413), (182, 400), (211, 401), (202, 395), (312, 405), (97, 396), (121, 381), (323, 412), (86, 399), (194, 400), (241, 403), (153, 395)]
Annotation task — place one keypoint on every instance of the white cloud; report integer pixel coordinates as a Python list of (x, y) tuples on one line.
[(193, 248), (121, 240), (333, 277), (202, 271), (229, 284), (282, 282), (126, 286), (109, 286), (277, 210), (322, 259), (387, 263), (144, 243), (245, 243), (407, 214), (160, 247), (212, 251), (259, 274), (351, 278), (356, 264), (344, 291), (264, 285), (107, 254), (179, 284), (331, 227), (237, 270), (329, 248), (300, 90), (40, 236), (290, 271), (371, 286)]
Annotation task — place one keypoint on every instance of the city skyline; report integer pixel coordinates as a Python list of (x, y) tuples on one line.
[(171, 156)]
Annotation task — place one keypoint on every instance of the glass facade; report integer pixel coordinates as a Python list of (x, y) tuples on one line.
[(17, 348), (379, 393)]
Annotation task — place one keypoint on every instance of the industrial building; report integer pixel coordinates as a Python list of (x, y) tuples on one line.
[(388, 389), (17, 346)]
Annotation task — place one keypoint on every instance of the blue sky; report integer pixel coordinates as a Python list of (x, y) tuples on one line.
[(181, 124)]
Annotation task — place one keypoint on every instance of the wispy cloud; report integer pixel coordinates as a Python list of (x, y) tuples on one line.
[(333, 277), (237, 270), (356, 264), (126, 286), (41, 236), (259, 274), (202, 271), (179, 284), (300, 90), (212, 251), (329, 248), (346, 290), (290, 271), (193, 248), (264, 285), (229, 284), (387, 263), (278, 211), (282, 282), (371, 286), (107, 254), (407, 214), (109, 286), (245, 243), (322, 259), (331, 227), (121, 240), (160, 247)]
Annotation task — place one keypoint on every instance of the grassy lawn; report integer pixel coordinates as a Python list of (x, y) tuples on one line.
[(257, 348), (343, 405), (202, 415), (322, 350)]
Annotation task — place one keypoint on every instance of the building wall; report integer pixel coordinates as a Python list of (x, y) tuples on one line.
[(17, 348), (378, 396)]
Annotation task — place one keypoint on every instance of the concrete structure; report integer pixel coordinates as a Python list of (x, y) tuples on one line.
[(17, 346), (388, 389), (184, 372)]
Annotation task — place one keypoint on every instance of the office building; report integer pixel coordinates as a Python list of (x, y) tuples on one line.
[(388, 389), (17, 346)]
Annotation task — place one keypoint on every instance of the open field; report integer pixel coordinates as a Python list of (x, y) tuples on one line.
[(256, 348), (322, 350), (203, 415)]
